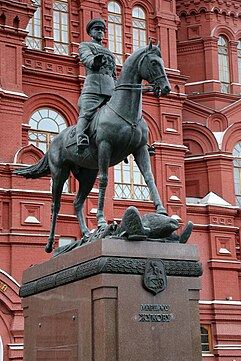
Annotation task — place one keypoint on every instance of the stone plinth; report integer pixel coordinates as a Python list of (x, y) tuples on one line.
[(99, 303)]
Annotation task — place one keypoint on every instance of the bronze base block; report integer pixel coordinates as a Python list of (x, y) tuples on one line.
[(114, 300)]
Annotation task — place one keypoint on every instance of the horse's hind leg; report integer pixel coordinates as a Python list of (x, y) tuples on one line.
[(58, 180), (86, 178)]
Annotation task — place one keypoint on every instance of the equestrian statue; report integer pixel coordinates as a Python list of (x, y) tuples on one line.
[(110, 127)]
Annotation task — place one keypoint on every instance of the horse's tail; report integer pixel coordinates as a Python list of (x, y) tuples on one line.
[(37, 170)]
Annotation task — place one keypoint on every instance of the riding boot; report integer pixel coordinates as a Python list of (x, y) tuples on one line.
[(82, 138)]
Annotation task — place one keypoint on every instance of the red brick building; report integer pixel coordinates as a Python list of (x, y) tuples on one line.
[(196, 131)]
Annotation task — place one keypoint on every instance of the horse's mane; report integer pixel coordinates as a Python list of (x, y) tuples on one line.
[(137, 53)]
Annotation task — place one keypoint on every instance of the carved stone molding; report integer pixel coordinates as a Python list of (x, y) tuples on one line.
[(113, 265)]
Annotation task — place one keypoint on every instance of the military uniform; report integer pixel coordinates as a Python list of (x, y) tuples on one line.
[(99, 83)]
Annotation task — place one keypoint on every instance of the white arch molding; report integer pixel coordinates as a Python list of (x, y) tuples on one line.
[(1, 349)]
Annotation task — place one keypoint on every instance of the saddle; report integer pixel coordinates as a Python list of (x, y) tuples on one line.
[(90, 130)]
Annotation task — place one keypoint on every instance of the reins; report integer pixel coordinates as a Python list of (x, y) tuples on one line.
[(137, 86), (144, 87)]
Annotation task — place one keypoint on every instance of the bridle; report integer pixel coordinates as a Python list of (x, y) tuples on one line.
[(153, 86), (150, 87)]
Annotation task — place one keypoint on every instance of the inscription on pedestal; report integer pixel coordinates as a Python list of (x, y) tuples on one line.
[(155, 317)]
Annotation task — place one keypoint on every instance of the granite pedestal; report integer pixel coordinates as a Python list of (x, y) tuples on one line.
[(108, 301)]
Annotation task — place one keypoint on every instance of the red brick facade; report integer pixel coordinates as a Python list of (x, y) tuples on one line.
[(195, 130)]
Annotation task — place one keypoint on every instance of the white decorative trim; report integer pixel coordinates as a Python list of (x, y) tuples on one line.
[(24, 234), (94, 190), (67, 215), (131, 200), (207, 354), (176, 216), (13, 93), (24, 190), (16, 155), (223, 261), (231, 105), (227, 347), (209, 156), (176, 70), (171, 145), (224, 250), (174, 198), (174, 177), (184, 94), (32, 219), (10, 277), (219, 138), (15, 346), (220, 302), (212, 224), (171, 130), (204, 81)]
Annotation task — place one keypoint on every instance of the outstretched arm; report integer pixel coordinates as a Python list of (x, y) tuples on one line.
[(89, 59)]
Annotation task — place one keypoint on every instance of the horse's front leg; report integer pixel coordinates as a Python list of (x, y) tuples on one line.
[(142, 159), (104, 153)]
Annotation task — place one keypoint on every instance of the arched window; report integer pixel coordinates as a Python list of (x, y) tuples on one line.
[(115, 31), (205, 339), (237, 173), (61, 27), (45, 124), (223, 64), (138, 27), (129, 182), (34, 28), (239, 61)]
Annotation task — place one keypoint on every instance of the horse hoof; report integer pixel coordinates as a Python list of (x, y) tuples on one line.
[(48, 248), (102, 224), (161, 210)]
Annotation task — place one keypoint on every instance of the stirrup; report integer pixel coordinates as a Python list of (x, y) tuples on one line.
[(82, 141)]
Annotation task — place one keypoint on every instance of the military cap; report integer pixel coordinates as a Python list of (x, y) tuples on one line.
[(95, 22)]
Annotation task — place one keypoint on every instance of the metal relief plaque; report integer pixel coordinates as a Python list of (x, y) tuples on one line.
[(155, 279)]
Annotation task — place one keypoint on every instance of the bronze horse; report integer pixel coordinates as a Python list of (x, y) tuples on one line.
[(117, 130)]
